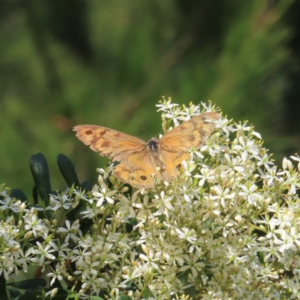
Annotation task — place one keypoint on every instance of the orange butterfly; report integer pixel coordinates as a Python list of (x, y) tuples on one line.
[(138, 159)]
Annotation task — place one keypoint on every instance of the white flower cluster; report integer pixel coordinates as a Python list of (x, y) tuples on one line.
[(228, 228)]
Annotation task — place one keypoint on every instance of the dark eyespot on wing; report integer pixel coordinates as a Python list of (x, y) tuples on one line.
[(89, 132)]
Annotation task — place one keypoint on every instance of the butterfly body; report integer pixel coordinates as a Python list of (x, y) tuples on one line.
[(140, 160), (153, 147)]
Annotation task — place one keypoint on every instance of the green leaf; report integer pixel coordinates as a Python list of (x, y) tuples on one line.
[(87, 186), (29, 284), (3, 294), (40, 172), (67, 170), (18, 194), (125, 297), (31, 294)]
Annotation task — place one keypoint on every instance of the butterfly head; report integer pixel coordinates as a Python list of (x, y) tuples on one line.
[(153, 145)]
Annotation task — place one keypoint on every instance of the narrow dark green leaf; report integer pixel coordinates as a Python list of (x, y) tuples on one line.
[(3, 293), (31, 294), (87, 186), (29, 284), (40, 172), (13, 293), (67, 170), (125, 297), (19, 194)]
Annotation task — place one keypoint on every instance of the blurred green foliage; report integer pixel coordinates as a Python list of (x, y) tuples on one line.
[(65, 63)]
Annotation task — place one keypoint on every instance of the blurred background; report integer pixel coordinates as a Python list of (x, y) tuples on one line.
[(64, 63)]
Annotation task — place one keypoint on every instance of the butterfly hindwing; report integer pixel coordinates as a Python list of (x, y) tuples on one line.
[(138, 174)]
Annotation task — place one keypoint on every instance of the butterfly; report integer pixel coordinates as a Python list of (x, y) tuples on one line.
[(138, 159)]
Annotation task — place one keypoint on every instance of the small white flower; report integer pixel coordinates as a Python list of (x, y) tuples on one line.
[(186, 234), (56, 274), (70, 231), (43, 253), (10, 203), (193, 264), (60, 201), (104, 195), (34, 224)]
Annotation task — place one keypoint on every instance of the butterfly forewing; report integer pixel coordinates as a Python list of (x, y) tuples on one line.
[(175, 144), (108, 142), (191, 133)]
